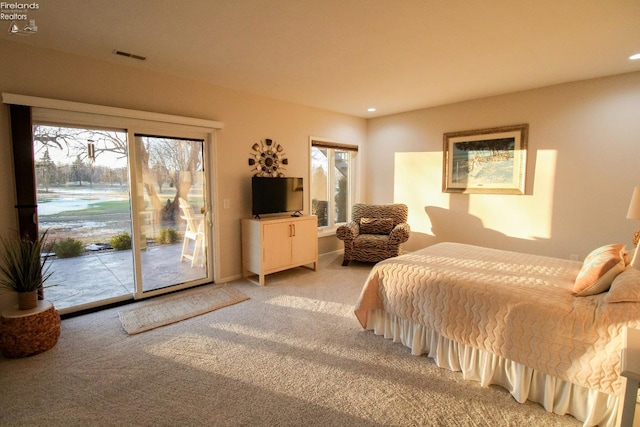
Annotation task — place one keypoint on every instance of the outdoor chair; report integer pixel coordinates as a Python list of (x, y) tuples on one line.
[(193, 232)]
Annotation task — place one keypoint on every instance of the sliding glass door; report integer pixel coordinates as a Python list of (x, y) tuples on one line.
[(127, 214), (172, 215)]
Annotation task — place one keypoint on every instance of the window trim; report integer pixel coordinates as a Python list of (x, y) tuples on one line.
[(122, 113), (334, 145), (331, 144)]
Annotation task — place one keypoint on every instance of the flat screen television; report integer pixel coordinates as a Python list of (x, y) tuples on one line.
[(276, 195)]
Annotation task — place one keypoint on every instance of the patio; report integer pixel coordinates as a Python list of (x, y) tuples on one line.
[(107, 275)]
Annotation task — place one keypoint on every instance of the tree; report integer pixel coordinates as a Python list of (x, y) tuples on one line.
[(177, 159), (161, 159), (341, 200), (499, 148), (72, 142), (79, 170), (46, 170)]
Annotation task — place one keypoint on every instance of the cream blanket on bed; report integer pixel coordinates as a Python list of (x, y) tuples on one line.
[(515, 305)]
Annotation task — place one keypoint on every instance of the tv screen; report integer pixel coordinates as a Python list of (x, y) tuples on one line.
[(276, 195)]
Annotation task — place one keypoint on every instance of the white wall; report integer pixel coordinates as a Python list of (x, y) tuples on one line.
[(247, 118), (584, 145), (584, 148)]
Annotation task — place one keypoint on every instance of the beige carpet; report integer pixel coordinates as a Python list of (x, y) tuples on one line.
[(182, 306), (292, 355)]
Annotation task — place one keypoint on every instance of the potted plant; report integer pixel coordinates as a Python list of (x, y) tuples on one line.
[(23, 269)]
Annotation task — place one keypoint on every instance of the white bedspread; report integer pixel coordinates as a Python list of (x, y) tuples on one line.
[(517, 306)]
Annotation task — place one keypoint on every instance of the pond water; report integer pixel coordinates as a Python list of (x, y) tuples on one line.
[(57, 201)]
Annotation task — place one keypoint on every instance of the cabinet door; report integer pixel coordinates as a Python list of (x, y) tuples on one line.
[(304, 242), (277, 245)]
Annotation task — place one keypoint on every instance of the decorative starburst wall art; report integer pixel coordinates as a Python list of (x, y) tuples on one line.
[(268, 159)]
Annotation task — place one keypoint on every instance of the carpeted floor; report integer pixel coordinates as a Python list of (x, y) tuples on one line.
[(292, 355)]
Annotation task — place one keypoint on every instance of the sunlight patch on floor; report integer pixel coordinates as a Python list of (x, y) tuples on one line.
[(266, 361), (313, 305)]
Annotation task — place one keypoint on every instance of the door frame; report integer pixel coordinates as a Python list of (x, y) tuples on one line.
[(61, 113), (207, 159)]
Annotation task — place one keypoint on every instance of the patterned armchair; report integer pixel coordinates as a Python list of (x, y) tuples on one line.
[(374, 233)]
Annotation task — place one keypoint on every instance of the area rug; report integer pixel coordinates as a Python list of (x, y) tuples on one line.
[(179, 307)]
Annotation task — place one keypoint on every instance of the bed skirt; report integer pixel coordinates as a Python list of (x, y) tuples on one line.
[(561, 397)]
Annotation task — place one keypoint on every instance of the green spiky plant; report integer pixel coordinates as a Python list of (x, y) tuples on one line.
[(22, 268)]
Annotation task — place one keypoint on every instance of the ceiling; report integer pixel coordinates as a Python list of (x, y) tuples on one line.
[(349, 55)]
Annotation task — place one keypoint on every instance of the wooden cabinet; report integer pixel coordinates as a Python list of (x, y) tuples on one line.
[(276, 244)]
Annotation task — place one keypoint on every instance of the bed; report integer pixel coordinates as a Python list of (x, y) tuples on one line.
[(512, 319)]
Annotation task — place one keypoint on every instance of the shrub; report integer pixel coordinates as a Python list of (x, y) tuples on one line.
[(68, 248), (121, 241), (168, 235)]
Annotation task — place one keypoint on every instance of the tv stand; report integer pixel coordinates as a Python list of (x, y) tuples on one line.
[(276, 244)]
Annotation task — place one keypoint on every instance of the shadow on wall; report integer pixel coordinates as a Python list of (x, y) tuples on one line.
[(463, 227), (460, 226)]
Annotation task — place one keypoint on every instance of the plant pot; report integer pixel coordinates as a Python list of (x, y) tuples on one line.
[(27, 300), (27, 332)]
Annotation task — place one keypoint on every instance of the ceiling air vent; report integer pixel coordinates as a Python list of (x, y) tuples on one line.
[(129, 55)]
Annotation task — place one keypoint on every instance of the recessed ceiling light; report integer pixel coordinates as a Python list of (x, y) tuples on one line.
[(371, 110), (635, 56)]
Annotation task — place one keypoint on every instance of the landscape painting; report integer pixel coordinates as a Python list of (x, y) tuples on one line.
[(489, 160)]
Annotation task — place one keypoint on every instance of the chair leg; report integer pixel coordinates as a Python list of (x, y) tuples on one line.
[(185, 246), (348, 250), (198, 251)]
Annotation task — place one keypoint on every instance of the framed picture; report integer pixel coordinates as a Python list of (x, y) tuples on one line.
[(489, 161)]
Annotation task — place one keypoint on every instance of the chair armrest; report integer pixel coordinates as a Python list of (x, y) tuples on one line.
[(348, 231), (400, 233), (197, 217)]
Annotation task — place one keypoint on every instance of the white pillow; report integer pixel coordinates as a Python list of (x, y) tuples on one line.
[(599, 269)]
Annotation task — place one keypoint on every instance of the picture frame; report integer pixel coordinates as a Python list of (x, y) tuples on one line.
[(486, 161)]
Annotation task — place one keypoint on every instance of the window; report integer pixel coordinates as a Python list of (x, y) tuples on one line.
[(331, 181)]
